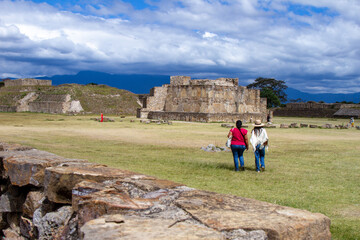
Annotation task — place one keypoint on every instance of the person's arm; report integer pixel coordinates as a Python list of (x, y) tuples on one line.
[(246, 142), (230, 134)]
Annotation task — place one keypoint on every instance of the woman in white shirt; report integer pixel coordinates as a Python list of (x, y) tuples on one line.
[(259, 141)]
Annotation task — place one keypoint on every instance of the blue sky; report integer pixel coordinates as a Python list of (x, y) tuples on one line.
[(312, 45)]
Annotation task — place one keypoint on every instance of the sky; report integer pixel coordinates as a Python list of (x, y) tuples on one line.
[(313, 45)]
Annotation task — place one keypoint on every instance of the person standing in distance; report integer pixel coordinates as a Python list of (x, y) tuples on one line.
[(259, 141), (239, 143)]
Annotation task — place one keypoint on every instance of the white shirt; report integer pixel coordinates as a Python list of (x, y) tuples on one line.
[(261, 139)]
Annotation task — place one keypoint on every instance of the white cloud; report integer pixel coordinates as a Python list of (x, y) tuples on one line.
[(243, 38), (209, 35)]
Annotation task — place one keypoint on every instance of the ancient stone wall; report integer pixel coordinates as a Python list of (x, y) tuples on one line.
[(45, 103), (51, 104), (45, 196), (284, 112), (26, 82), (4, 108), (186, 98), (156, 100), (312, 109), (202, 117)]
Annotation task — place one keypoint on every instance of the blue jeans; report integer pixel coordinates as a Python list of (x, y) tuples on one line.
[(259, 154), (238, 151)]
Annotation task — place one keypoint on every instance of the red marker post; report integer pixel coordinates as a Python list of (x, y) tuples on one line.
[(102, 118)]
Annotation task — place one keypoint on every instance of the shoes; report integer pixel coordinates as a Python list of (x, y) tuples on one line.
[(257, 171), (262, 169), (242, 168)]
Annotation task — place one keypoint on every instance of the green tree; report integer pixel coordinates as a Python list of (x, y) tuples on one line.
[(278, 87), (272, 99)]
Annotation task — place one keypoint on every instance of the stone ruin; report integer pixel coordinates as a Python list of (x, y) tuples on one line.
[(45, 196), (48, 103), (26, 82), (203, 100), (42, 103), (315, 109)]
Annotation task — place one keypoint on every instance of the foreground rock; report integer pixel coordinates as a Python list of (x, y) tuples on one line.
[(44, 196), (59, 181), (131, 227), (28, 166), (225, 213)]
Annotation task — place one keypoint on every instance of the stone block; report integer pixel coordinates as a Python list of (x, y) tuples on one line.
[(27, 228), (91, 199), (11, 234), (28, 167), (33, 201), (313, 126), (12, 200), (13, 220), (284, 126), (13, 147), (49, 225), (133, 227), (59, 181), (225, 212), (303, 125)]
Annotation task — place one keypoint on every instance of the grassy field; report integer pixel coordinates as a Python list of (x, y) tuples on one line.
[(313, 169)]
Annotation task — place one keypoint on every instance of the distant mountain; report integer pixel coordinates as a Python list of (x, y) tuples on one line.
[(142, 83), (326, 97), (135, 83)]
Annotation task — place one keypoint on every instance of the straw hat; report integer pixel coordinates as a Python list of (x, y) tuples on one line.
[(258, 123)]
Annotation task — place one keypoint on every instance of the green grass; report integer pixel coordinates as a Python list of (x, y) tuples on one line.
[(313, 169)]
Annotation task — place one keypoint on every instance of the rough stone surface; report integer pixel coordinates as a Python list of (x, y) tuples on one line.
[(225, 213), (92, 200), (69, 231), (13, 147), (13, 219), (31, 164), (131, 227), (59, 181), (33, 201), (12, 235), (49, 224), (27, 228), (12, 200), (241, 234)]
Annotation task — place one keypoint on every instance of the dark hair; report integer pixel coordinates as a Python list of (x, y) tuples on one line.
[(257, 130), (238, 124)]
